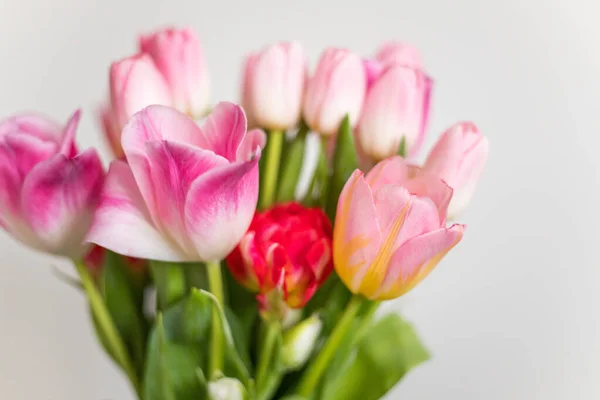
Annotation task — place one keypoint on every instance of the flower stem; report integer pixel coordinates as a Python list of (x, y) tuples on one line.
[(215, 283), (271, 171), (266, 354), (107, 327), (314, 372)]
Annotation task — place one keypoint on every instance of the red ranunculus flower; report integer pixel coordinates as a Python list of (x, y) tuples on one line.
[(284, 256)]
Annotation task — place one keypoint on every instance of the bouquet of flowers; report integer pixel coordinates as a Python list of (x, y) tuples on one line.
[(209, 271)]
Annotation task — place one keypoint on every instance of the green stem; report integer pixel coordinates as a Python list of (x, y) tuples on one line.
[(314, 372), (266, 354), (107, 326), (215, 283), (170, 282), (367, 315), (268, 182)]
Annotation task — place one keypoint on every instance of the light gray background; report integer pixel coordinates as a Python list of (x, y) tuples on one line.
[(512, 313)]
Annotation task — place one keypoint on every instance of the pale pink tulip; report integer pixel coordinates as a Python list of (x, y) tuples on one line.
[(112, 130), (459, 158), (179, 57), (187, 193), (396, 107), (273, 85), (135, 83), (337, 88), (390, 229), (47, 191), (397, 53)]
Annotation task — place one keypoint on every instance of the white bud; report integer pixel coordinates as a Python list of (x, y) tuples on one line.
[(299, 342), (227, 389)]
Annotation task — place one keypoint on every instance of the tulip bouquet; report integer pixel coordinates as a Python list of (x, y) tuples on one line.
[(209, 271)]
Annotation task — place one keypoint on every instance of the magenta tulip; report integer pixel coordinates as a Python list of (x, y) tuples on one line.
[(187, 193), (47, 190)]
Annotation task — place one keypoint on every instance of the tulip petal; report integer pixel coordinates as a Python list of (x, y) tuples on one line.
[(415, 259), (58, 199), (122, 222), (223, 197), (10, 189), (391, 171), (424, 184), (38, 125), (28, 151), (254, 139), (67, 146), (357, 236), (224, 129), (158, 122), (173, 167)]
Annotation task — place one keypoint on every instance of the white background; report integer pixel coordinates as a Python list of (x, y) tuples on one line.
[(511, 313)]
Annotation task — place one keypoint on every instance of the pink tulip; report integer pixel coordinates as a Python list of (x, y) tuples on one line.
[(273, 85), (337, 88), (47, 191), (187, 193), (397, 53), (390, 229), (396, 107), (459, 158), (179, 57), (112, 130), (135, 83)]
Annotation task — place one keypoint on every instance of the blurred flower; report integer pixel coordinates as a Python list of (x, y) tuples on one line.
[(459, 158), (273, 85), (284, 256), (227, 389), (299, 342), (47, 190), (179, 57), (186, 193), (397, 53), (337, 88), (396, 108), (111, 129), (390, 229)]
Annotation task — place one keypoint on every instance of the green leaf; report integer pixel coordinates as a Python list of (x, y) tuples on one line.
[(242, 303), (329, 301), (384, 355), (344, 164), (291, 165), (240, 338), (170, 282), (402, 148), (171, 371), (189, 321), (120, 297)]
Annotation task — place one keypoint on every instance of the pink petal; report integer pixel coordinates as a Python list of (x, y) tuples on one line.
[(253, 141), (112, 132), (424, 184), (159, 123), (172, 168), (224, 129), (416, 258), (220, 206), (58, 199), (10, 188), (391, 171), (67, 146), (391, 53), (122, 222), (33, 124), (357, 236), (28, 151)]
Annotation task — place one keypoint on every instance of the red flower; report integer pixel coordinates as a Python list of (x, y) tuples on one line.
[(285, 255)]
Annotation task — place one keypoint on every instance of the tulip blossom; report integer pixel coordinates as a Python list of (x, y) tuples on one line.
[(135, 82), (112, 130), (396, 109), (285, 255), (458, 158), (337, 88), (179, 57), (186, 193), (273, 85), (397, 53), (48, 191), (390, 229)]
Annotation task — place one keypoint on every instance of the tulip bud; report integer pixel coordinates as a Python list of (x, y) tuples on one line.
[(48, 192), (135, 83), (274, 84), (459, 157), (284, 256), (390, 229), (337, 88), (227, 389), (396, 108), (299, 342), (396, 53), (179, 57)]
